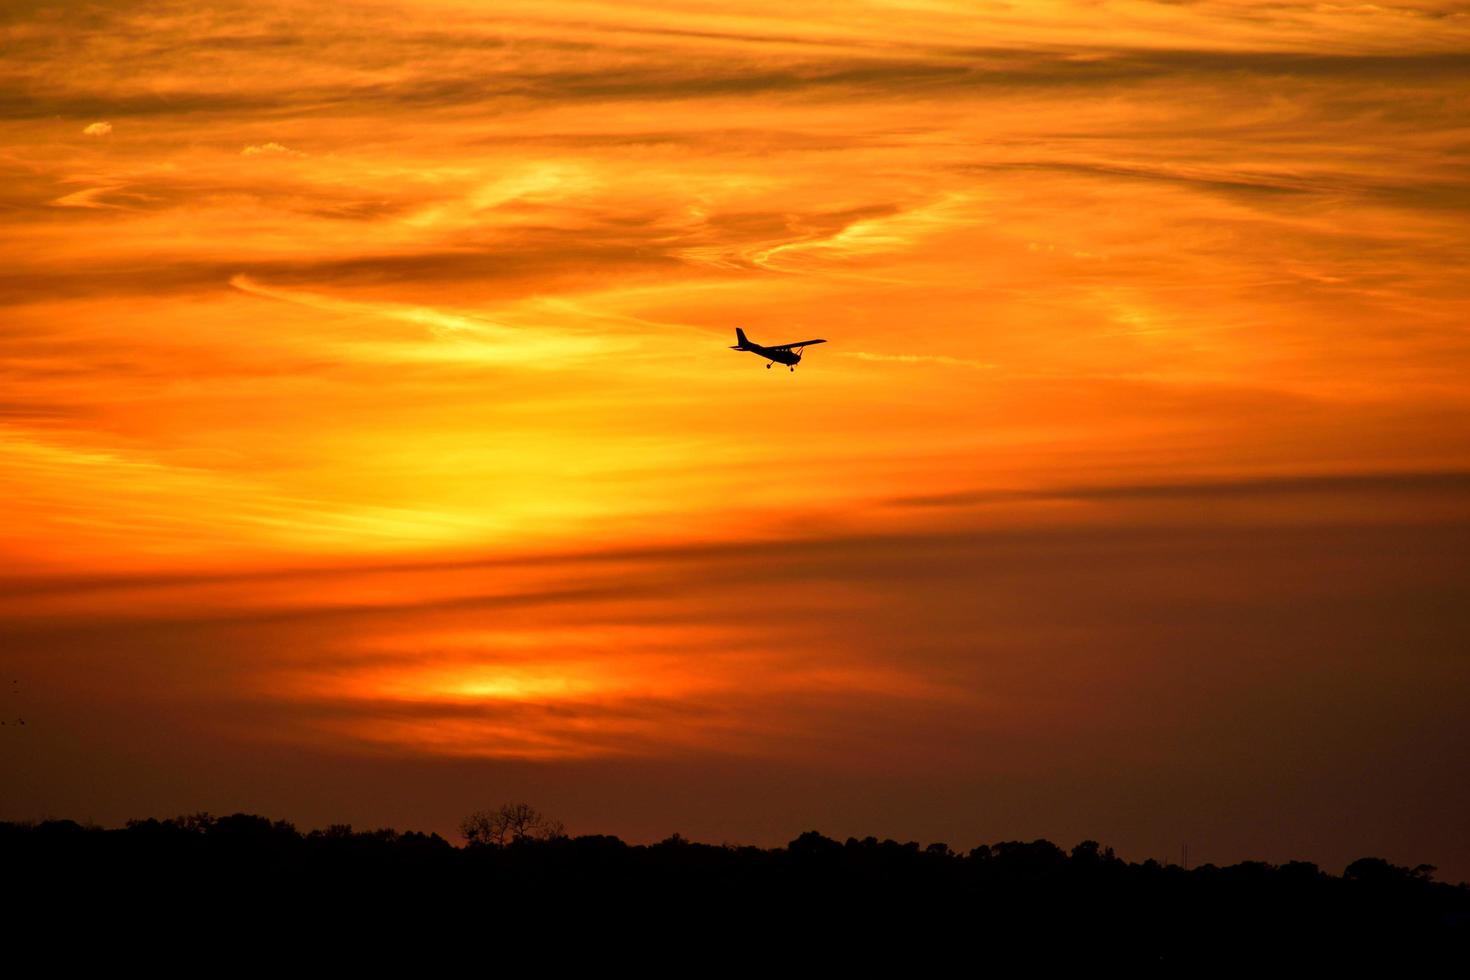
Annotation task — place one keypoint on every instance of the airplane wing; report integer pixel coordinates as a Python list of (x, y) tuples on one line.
[(799, 343)]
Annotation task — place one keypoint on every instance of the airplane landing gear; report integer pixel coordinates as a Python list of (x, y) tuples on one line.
[(793, 370), (768, 367)]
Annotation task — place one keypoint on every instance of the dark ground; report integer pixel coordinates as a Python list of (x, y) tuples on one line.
[(818, 900)]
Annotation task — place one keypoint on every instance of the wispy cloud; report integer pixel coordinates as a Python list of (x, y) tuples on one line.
[(917, 359), (462, 337), (270, 150)]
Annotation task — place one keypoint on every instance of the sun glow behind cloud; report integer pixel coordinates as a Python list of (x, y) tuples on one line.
[(365, 380)]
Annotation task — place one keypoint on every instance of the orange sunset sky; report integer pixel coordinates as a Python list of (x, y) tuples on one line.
[(371, 452)]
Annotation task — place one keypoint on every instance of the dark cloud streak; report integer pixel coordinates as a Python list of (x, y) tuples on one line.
[(1390, 484), (33, 98)]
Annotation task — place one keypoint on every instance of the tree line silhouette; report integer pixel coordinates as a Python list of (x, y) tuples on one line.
[(515, 859)]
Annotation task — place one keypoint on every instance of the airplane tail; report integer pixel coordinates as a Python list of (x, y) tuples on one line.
[(741, 342)]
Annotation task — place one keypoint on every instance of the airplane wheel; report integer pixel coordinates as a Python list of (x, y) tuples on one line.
[(768, 367)]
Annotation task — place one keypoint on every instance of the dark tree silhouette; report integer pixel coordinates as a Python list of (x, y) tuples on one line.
[(511, 823), (1380, 872), (1006, 901)]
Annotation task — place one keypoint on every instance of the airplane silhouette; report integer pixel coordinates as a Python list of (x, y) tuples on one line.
[(788, 354)]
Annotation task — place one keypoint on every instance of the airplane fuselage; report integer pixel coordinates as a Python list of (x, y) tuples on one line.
[(779, 356)]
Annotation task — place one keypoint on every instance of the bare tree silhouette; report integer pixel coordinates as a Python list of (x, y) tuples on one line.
[(510, 823)]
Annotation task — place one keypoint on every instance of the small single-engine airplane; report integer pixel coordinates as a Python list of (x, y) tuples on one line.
[(788, 354)]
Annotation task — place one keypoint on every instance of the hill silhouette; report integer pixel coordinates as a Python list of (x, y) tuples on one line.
[(1029, 900)]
